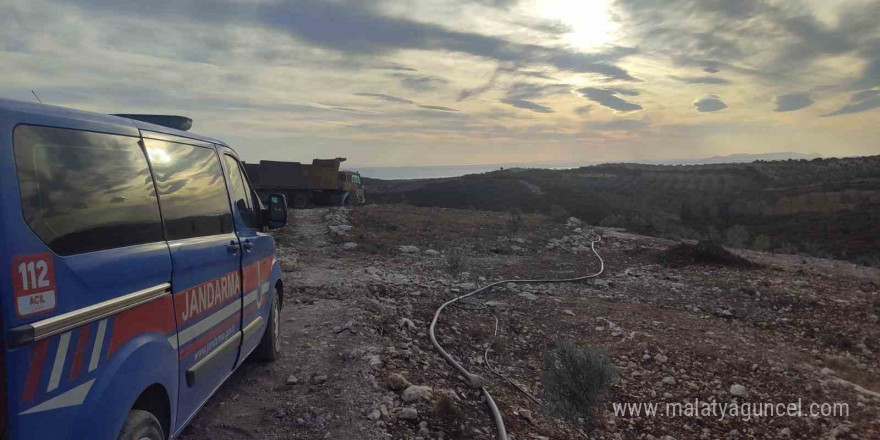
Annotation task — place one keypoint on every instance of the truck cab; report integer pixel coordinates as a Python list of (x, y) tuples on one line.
[(352, 188)]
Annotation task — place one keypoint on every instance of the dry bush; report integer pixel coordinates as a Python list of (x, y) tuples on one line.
[(559, 214), (576, 379), (456, 261), (702, 253), (516, 221)]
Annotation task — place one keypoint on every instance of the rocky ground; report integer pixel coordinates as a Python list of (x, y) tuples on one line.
[(362, 287)]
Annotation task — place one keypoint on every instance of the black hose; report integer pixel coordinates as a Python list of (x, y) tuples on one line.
[(476, 380)]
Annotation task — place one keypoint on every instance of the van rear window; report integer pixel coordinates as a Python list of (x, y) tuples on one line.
[(84, 191), (192, 192)]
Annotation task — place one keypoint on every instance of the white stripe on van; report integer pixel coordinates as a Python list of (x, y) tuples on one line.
[(99, 343), (192, 332), (73, 397), (250, 297), (58, 365)]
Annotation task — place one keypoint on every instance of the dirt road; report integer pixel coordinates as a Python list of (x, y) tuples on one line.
[(319, 387)]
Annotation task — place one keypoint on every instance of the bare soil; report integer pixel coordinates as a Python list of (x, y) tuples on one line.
[(785, 330)]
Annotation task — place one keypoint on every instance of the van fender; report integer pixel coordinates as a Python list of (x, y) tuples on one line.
[(145, 360), (274, 277)]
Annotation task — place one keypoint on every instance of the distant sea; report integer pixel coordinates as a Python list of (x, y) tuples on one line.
[(429, 172), (396, 173)]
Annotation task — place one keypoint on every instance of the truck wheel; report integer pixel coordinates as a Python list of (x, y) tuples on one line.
[(300, 200), (141, 425), (346, 200), (270, 346)]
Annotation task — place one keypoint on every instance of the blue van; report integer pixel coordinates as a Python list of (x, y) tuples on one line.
[(138, 276)]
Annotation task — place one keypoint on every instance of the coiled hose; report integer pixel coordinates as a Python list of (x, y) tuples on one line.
[(476, 381)]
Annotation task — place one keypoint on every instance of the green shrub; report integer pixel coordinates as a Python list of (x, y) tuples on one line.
[(760, 243), (576, 380), (737, 236)]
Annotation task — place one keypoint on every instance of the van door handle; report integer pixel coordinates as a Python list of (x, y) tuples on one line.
[(248, 246), (232, 247)]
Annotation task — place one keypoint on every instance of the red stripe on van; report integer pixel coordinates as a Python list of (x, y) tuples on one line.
[(207, 337), (81, 343), (153, 317), (249, 278), (38, 357)]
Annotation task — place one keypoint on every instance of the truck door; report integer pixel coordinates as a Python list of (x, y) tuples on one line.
[(257, 256), (206, 258)]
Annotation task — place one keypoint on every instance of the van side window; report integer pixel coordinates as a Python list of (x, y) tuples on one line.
[(192, 193), (83, 191), (239, 191)]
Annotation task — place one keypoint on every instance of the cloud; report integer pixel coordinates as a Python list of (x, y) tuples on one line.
[(522, 90), (621, 125), (421, 83), (710, 103), (607, 98), (793, 101), (527, 105), (583, 110), (387, 98), (701, 79), (360, 28), (859, 102), (530, 73), (773, 40), (438, 108), (395, 66), (396, 100)]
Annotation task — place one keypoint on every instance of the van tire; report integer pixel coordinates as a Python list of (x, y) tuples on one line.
[(141, 425), (270, 346)]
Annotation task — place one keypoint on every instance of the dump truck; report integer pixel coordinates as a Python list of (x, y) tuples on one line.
[(305, 185)]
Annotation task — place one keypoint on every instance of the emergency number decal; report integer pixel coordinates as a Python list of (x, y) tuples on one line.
[(33, 282)]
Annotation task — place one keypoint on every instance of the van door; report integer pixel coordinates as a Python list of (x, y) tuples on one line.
[(90, 280), (257, 256), (206, 256)]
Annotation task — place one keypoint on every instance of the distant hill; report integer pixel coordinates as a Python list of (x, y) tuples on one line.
[(737, 158), (435, 172), (819, 207)]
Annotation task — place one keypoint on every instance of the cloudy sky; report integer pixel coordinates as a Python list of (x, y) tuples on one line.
[(442, 82)]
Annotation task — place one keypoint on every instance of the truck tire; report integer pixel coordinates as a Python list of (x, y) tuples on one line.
[(346, 200), (141, 425), (270, 346), (300, 200)]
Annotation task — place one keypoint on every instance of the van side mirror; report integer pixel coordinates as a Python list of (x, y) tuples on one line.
[(277, 211)]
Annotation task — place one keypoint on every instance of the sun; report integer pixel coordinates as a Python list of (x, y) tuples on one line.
[(590, 20)]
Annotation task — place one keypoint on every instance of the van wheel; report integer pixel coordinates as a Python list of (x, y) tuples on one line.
[(141, 425), (270, 346)]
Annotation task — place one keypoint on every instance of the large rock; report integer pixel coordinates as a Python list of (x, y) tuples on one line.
[(739, 390), (529, 296), (417, 392), (410, 414), (340, 230), (408, 249), (397, 382)]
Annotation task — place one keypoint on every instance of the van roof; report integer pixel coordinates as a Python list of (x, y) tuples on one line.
[(51, 115)]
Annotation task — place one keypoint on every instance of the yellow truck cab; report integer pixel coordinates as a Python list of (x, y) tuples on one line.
[(350, 182)]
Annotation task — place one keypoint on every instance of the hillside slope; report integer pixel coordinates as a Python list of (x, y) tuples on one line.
[(821, 207), (356, 316)]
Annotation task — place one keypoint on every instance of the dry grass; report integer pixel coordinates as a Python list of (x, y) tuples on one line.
[(435, 227)]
